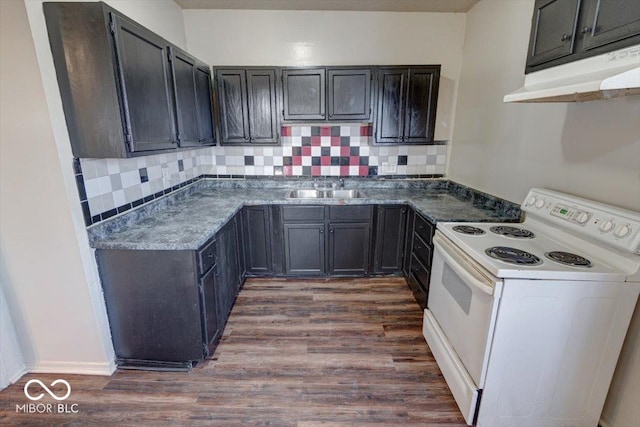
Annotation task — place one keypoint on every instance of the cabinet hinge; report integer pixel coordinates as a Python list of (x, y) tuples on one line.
[(112, 26), (128, 140), (205, 349), (178, 136)]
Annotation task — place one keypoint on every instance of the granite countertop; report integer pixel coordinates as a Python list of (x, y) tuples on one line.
[(189, 222)]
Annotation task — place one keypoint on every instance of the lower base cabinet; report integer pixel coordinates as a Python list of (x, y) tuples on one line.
[(167, 309), (326, 240), (419, 262), (161, 313)]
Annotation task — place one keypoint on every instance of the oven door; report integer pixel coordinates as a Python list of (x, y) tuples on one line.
[(459, 321)]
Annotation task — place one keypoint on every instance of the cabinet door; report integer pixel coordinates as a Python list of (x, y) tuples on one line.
[(304, 94), (304, 249), (263, 117), (257, 247), (146, 86), (184, 79), (211, 328), (349, 92), (390, 239), (392, 86), (422, 99), (349, 248), (609, 21), (553, 30), (408, 235), (232, 99), (204, 106), (228, 270)]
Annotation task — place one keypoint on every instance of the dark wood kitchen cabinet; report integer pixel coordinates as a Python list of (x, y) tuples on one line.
[(327, 93), (256, 224), (304, 93), (192, 80), (406, 104), (124, 92), (304, 240), (349, 239), (247, 105), (421, 256), (389, 238), (567, 30), (333, 240), (162, 305), (349, 94), (229, 278)]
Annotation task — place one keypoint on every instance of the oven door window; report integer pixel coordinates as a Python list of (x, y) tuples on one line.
[(463, 303)]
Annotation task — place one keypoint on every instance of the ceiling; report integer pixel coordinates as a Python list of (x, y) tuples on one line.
[(356, 5)]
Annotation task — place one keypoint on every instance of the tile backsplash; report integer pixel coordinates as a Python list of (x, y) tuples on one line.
[(340, 150), (111, 186)]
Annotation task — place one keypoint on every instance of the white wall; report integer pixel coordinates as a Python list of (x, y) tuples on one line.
[(591, 149), (49, 274), (11, 361), (298, 38)]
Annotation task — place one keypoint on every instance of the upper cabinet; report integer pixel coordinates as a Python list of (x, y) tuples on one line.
[(304, 94), (327, 94), (567, 30), (349, 93), (247, 105), (406, 104), (125, 90), (192, 82)]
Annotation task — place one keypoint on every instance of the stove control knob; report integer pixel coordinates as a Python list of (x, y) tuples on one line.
[(623, 231), (531, 201), (582, 217), (607, 226), (539, 203)]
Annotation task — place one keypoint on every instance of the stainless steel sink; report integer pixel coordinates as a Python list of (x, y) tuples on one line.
[(344, 194), (305, 194), (324, 194)]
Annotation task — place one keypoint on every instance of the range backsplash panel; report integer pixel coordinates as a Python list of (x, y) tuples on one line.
[(111, 186)]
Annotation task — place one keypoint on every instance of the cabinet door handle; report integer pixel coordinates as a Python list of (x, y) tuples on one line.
[(565, 37), (331, 231), (585, 29), (321, 231)]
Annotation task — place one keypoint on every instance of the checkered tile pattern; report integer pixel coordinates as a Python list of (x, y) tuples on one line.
[(329, 151)]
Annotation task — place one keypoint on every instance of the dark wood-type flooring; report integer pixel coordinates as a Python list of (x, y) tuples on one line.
[(294, 353)]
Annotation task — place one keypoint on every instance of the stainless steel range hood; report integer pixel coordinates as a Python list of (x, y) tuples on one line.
[(602, 77)]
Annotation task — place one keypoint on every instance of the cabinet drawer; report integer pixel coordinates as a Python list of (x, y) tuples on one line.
[(424, 229), (207, 257), (422, 250), (303, 213), (350, 213), (420, 272)]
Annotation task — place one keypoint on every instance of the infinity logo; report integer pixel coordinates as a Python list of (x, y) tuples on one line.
[(52, 394)]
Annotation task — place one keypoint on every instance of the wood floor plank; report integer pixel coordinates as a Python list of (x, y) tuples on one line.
[(299, 353)]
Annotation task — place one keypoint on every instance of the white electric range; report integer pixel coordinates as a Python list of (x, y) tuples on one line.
[(526, 321)]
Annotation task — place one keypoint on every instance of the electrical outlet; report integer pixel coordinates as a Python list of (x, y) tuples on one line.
[(388, 168)]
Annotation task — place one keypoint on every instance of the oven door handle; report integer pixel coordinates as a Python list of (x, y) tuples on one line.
[(457, 264)]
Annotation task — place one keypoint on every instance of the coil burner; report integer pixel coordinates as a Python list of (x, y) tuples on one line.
[(515, 232), (513, 255)]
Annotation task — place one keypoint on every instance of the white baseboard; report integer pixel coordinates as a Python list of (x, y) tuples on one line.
[(81, 368)]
